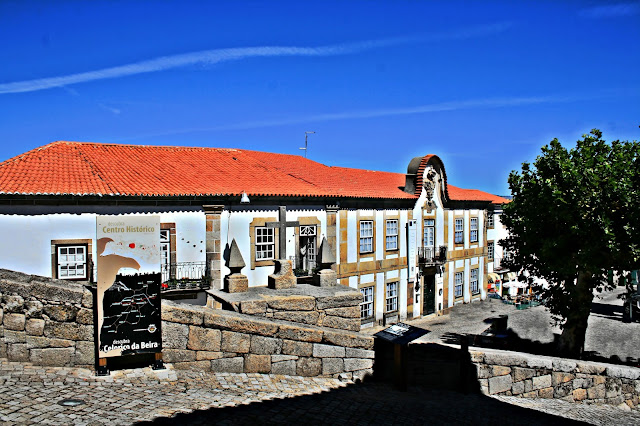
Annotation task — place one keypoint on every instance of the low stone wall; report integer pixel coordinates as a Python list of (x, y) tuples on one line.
[(334, 307), (50, 322), (534, 376), (198, 337), (45, 321)]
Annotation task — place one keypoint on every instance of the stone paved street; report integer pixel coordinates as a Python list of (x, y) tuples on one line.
[(30, 394)]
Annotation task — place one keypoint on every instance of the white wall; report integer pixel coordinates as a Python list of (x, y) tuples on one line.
[(27, 239)]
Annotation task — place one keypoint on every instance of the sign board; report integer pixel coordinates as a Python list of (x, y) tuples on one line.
[(401, 334), (128, 291), (412, 236)]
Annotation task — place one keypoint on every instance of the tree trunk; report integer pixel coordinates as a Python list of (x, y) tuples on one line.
[(571, 342)]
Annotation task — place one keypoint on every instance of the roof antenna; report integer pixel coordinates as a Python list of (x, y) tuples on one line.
[(305, 143)]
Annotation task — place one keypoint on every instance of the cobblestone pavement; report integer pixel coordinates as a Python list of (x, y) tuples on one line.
[(607, 335), (30, 394)]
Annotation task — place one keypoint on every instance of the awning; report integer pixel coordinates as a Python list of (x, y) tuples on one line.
[(493, 277), (515, 284)]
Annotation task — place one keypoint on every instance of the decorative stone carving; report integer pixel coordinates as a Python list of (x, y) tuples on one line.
[(236, 282)]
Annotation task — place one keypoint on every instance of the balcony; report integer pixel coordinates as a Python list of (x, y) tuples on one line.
[(432, 255), (185, 276)]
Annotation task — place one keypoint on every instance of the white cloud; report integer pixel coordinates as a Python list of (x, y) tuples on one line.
[(234, 54), (389, 112), (611, 11)]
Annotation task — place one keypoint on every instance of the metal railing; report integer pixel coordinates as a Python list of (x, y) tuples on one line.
[(434, 255), (185, 276), (299, 266)]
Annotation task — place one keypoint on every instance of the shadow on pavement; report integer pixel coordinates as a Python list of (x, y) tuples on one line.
[(612, 312), (372, 402)]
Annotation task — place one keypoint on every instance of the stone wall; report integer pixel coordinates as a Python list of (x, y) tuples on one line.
[(534, 376), (198, 337), (334, 307), (45, 321), (50, 322)]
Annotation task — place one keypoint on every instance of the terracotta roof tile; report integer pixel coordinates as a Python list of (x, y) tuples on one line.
[(82, 168), (459, 194)]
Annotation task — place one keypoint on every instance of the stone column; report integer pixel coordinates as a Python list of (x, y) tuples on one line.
[(332, 232), (213, 244)]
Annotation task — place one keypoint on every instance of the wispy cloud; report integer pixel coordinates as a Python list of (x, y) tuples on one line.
[(215, 56), (113, 110), (483, 103), (611, 11), (421, 109)]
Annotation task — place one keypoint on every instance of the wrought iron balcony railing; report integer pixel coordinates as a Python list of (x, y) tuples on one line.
[(432, 255), (185, 276)]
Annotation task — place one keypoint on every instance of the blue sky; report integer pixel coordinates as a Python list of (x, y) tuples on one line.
[(481, 84)]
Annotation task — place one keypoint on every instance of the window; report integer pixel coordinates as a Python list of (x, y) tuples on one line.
[(458, 288), (490, 223), (265, 243), (366, 307), (392, 297), (366, 236), (459, 231), (392, 235), (473, 233), (475, 288), (490, 250), (429, 236), (72, 262)]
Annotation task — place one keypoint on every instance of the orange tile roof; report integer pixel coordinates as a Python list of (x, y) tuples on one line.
[(460, 194), (83, 168), (86, 168)]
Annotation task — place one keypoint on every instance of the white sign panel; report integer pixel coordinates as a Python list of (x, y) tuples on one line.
[(412, 235), (128, 291)]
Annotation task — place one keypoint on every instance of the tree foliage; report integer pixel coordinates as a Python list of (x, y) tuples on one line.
[(575, 215)]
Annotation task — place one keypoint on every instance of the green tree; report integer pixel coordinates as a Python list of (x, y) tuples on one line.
[(575, 215)]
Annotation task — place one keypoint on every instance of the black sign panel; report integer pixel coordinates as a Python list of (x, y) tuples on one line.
[(132, 321), (401, 334)]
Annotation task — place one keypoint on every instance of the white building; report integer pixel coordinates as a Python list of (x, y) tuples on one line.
[(411, 243)]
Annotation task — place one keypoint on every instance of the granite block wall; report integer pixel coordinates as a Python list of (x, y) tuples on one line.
[(50, 322), (197, 337), (45, 321), (534, 376), (333, 307)]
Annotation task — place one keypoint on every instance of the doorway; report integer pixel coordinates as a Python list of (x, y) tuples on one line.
[(429, 300)]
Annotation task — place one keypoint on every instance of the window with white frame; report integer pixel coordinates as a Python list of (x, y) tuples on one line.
[(72, 262), (429, 233), (392, 234), (392, 297), (473, 230), (490, 250), (490, 222), (165, 248), (459, 281), (366, 236), (366, 307), (475, 288), (459, 231), (265, 243)]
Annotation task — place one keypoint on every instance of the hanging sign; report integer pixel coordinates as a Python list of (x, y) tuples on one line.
[(128, 291)]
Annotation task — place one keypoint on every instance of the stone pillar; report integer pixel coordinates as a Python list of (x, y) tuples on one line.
[(213, 245), (332, 231)]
